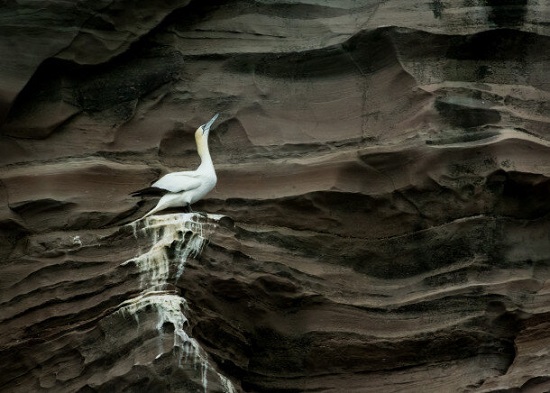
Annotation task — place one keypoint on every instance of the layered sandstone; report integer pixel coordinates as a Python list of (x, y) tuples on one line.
[(380, 222)]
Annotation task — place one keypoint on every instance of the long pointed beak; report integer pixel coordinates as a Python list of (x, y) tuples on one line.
[(207, 126)]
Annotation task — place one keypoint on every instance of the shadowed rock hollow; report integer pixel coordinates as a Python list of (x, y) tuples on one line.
[(380, 222)]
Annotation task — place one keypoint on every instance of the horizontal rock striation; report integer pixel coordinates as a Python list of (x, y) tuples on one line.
[(380, 221)]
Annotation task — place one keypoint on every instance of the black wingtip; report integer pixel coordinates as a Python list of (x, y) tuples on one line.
[(149, 191)]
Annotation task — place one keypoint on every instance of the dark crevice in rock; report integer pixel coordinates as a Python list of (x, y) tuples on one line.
[(70, 89), (507, 13), (460, 116), (38, 206)]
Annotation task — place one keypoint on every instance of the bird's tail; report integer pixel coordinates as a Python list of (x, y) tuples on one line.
[(161, 205), (152, 211)]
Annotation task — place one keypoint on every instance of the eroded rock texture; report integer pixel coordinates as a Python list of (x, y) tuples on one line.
[(383, 171)]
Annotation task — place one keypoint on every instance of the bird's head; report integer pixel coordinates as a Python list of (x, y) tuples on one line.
[(203, 130)]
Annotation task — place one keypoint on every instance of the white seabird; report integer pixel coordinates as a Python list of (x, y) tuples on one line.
[(185, 188)]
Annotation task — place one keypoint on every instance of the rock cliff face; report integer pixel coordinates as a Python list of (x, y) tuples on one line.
[(380, 222)]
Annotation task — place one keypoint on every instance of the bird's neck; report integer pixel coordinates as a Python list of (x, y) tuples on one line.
[(206, 160)]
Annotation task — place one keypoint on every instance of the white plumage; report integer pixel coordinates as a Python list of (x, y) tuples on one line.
[(186, 188)]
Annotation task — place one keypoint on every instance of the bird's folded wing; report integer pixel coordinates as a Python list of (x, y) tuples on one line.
[(177, 182)]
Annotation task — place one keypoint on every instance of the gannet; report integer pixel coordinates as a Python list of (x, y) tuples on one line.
[(185, 188)]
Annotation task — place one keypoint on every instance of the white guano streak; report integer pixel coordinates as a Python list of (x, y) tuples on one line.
[(174, 238), (182, 235)]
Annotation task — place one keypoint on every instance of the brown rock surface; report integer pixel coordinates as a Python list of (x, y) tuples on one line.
[(383, 172)]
